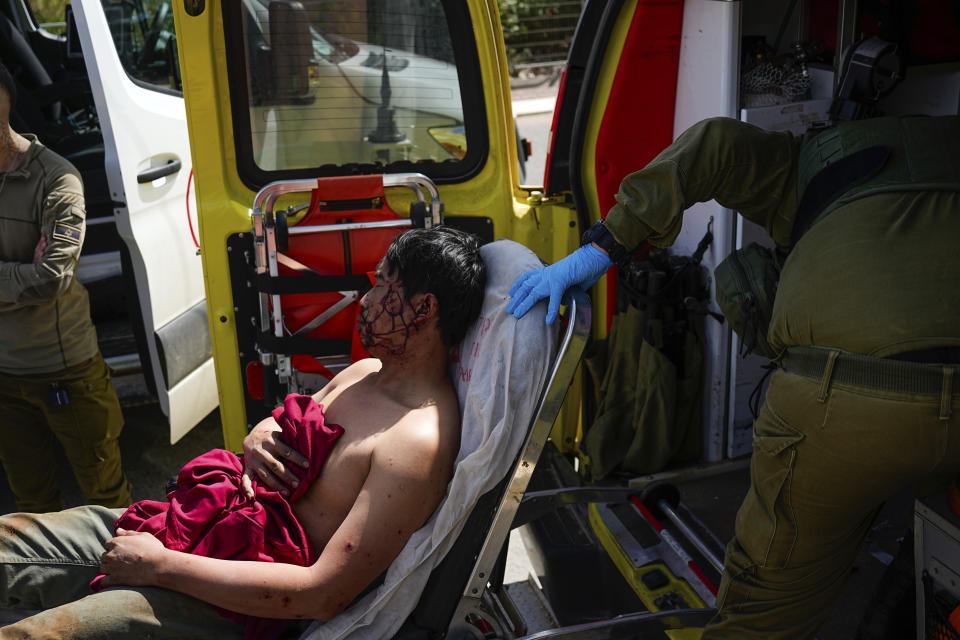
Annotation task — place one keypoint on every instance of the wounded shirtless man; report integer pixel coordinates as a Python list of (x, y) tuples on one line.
[(381, 482)]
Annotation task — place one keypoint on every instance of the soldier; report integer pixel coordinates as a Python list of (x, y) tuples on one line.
[(865, 328), (54, 382)]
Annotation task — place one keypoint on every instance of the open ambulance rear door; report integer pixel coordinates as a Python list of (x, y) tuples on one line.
[(148, 164), (639, 73), (290, 91)]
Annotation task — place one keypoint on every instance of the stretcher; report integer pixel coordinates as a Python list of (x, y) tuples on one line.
[(297, 279), (511, 376), (306, 275)]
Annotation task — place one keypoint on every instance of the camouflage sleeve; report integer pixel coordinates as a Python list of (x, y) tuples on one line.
[(742, 167), (62, 225)]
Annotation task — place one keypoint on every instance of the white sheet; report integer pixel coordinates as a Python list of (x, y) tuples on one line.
[(503, 366)]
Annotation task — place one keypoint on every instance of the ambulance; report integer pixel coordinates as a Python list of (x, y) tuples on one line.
[(306, 112), (369, 115)]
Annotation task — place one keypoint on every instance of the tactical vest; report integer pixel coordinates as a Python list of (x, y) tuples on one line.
[(837, 166), (866, 157)]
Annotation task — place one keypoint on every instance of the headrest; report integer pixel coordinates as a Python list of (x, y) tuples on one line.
[(500, 357)]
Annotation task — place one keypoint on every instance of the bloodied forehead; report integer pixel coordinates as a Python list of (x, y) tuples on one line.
[(383, 272)]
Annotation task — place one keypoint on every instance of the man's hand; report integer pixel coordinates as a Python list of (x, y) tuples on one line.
[(131, 558), (581, 268), (39, 249), (263, 456)]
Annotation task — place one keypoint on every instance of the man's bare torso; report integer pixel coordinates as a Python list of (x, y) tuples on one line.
[(375, 424)]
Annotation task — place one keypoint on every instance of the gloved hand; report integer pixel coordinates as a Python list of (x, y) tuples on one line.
[(581, 268)]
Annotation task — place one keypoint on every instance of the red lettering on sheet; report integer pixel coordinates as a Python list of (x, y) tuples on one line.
[(485, 324), (465, 374), (476, 349)]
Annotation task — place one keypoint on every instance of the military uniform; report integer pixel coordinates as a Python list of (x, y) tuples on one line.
[(866, 322), (53, 380)]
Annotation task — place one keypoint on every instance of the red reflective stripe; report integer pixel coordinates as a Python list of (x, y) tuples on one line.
[(697, 571), (703, 577), (553, 129), (646, 513), (638, 121)]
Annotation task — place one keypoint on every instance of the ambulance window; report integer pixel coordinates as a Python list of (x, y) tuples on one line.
[(330, 87), (144, 36)]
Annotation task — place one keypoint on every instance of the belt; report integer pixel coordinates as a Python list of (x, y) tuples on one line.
[(936, 355), (882, 374)]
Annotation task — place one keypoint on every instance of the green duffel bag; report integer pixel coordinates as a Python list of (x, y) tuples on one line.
[(746, 284)]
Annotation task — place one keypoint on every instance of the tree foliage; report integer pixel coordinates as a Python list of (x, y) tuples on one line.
[(48, 10), (538, 32)]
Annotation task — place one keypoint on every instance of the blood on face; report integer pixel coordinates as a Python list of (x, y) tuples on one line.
[(386, 318)]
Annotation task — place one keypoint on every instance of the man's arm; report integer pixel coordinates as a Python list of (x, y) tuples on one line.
[(741, 166), (744, 168), (62, 225), (268, 457), (404, 486)]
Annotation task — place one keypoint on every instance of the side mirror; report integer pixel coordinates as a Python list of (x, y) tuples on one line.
[(291, 51)]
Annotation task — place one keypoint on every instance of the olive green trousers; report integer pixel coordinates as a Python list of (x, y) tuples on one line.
[(87, 426), (47, 562), (826, 455)]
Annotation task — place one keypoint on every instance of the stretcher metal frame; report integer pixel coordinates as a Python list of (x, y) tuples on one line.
[(268, 257), (482, 597)]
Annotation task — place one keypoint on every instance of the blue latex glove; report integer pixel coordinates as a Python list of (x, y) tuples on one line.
[(581, 268)]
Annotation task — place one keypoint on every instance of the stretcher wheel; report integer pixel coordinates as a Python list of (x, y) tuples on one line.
[(653, 494)]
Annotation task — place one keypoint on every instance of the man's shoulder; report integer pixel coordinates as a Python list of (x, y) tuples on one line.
[(60, 174), (350, 375), (357, 370)]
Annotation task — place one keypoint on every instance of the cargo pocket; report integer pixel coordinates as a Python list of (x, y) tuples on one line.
[(766, 526), (95, 410)]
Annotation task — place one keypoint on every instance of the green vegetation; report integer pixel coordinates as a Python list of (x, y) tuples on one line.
[(48, 10), (538, 32)]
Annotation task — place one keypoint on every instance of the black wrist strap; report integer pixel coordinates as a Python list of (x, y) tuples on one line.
[(601, 236)]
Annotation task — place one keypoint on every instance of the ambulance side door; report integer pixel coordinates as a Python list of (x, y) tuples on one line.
[(130, 51), (639, 73)]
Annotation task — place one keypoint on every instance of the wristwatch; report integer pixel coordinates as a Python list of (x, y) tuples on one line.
[(599, 234)]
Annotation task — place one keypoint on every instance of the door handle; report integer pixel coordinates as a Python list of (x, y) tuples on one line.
[(153, 173)]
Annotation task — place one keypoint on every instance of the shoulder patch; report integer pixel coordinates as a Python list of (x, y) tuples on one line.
[(67, 233)]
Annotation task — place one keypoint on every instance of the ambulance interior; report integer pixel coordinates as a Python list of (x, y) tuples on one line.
[(787, 78), (786, 74)]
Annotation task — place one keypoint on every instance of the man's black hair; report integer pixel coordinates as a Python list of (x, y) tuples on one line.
[(7, 84), (445, 262)]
